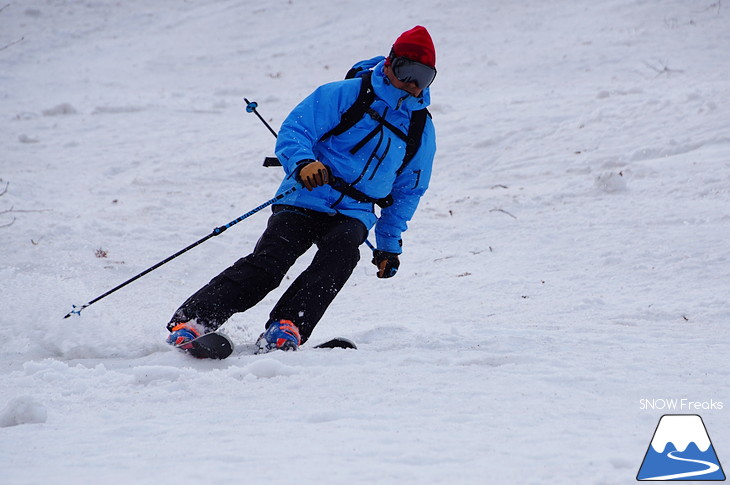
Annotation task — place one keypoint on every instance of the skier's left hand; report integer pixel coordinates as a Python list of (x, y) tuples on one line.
[(386, 262)]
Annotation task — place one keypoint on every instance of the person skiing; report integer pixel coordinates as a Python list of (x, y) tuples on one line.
[(345, 175)]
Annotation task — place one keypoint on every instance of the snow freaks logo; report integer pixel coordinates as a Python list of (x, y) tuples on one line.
[(680, 450)]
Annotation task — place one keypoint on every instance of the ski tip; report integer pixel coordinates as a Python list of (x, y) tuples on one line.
[(209, 346), (337, 343)]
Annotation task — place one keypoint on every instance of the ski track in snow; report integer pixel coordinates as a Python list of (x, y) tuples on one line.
[(569, 259)]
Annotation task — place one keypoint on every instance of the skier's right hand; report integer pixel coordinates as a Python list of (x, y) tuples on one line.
[(387, 263), (313, 174)]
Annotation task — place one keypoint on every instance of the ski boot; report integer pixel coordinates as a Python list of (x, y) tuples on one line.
[(281, 335), (182, 333)]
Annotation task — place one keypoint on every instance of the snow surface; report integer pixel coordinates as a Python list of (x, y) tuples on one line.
[(570, 259)]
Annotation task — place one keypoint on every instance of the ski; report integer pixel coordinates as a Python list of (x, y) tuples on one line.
[(337, 343), (209, 346), (217, 346)]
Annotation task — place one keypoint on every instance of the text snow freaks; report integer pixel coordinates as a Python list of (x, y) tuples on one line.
[(679, 405)]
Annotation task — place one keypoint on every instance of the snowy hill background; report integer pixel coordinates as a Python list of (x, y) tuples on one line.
[(570, 258)]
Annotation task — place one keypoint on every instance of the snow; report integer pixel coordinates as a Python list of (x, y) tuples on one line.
[(23, 410), (569, 260)]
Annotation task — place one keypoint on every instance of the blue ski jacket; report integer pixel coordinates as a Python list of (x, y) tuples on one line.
[(372, 168)]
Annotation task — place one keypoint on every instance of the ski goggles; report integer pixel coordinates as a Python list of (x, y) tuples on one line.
[(408, 71)]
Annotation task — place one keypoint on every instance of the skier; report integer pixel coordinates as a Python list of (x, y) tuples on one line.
[(344, 174)]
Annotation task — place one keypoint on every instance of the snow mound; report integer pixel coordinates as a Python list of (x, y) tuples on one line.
[(22, 410), (610, 183), (60, 110), (265, 369)]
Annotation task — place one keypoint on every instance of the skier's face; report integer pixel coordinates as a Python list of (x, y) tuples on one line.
[(411, 87)]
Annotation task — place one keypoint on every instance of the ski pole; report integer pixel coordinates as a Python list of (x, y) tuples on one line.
[(251, 108), (217, 231)]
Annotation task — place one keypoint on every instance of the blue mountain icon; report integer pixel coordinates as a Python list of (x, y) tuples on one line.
[(681, 450)]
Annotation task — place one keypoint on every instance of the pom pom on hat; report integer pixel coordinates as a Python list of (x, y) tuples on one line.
[(416, 45)]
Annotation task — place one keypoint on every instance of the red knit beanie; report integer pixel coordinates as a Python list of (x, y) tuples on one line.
[(416, 45)]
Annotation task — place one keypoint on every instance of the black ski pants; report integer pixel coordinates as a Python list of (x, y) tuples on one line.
[(290, 232)]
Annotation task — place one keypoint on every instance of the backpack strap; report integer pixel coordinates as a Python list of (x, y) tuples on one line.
[(354, 113), (361, 107), (415, 134), (344, 188)]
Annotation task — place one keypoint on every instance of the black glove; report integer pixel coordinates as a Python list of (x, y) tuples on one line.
[(313, 174), (386, 262)]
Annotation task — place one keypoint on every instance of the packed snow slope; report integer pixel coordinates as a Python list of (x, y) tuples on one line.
[(569, 262)]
